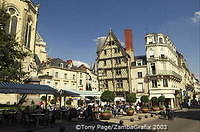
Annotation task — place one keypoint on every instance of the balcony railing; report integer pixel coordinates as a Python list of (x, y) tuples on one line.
[(166, 72)]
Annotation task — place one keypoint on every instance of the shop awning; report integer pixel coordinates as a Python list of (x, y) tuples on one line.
[(17, 88)]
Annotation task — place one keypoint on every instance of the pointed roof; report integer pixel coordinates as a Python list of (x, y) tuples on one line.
[(117, 42)]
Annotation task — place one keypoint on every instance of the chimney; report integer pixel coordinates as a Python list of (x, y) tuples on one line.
[(69, 63), (129, 43), (128, 39)]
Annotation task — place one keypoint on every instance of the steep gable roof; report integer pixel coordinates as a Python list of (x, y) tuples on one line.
[(117, 42)]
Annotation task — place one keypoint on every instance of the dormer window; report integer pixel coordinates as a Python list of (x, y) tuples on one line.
[(116, 50), (162, 56), (151, 56), (61, 65), (161, 40), (110, 43), (105, 52)]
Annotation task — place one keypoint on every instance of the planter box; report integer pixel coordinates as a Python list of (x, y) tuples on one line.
[(155, 108), (144, 110), (130, 112), (161, 108), (106, 116)]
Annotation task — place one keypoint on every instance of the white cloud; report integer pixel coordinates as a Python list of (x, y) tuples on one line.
[(78, 63), (196, 18)]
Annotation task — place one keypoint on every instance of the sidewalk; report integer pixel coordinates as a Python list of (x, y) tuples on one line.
[(133, 120)]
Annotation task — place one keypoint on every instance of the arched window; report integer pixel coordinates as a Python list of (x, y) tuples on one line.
[(11, 27)]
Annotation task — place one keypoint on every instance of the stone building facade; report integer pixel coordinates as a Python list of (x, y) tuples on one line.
[(64, 75), (113, 64), (23, 25), (163, 71)]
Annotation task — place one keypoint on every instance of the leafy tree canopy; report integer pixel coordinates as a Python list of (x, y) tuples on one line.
[(131, 98), (161, 99), (154, 101), (107, 96), (144, 99)]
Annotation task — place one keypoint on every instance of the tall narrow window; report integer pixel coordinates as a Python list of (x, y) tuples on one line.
[(56, 74), (116, 50), (61, 65), (105, 52), (104, 63), (28, 34), (153, 68), (81, 82), (161, 40), (11, 26), (140, 87), (139, 74), (118, 61), (74, 77), (119, 83), (118, 72), (154, 83), (65, 75), (165, 83), (105, 85)]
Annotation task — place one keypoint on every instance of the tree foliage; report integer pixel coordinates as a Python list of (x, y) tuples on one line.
[(161, 99), (11, 53), (154, 101), (107, 96), (131, 98), (144, 99)]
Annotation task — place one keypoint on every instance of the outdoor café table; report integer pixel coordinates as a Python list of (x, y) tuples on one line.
[(37, 117)]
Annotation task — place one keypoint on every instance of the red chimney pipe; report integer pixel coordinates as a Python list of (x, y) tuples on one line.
[(69, 61), (128, 39)]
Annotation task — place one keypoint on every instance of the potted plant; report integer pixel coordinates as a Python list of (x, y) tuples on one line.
[(130, 111), (106, 115), (130, 98), (161, 101), (154, 101), (144, 99)]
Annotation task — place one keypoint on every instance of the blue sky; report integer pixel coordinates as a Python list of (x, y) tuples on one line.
[(70, 26)]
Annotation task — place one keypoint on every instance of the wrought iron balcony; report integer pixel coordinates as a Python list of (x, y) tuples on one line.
[(165, 72)]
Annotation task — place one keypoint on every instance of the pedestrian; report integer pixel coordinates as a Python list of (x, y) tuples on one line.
[(138, 108), (188, 104)]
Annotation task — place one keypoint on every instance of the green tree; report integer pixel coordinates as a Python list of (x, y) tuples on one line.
[(131, 98), (107, 96), (154, 101), (161, 100), (11, 53), (144, 99)]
